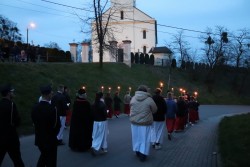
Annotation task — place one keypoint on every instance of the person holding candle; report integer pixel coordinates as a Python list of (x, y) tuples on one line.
[(117, 104), (80, 134), (109, 101), (170, 114), (100, 127), (127, 99), (157, 130)]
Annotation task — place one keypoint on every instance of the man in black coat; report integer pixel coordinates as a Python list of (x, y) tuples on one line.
[(158, 127), (47, 124), (9, 120), (60, 102)]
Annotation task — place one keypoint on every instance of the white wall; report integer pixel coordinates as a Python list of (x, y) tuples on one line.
[(130, 28)]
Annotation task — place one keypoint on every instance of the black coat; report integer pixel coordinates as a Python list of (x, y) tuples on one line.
[(99, 111), (60, 102), (9, 120), (47, 124), (117, 103), (181, 108), (80, 135), (161, 108)]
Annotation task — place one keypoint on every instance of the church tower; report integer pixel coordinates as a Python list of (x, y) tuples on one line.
[(127, 3)]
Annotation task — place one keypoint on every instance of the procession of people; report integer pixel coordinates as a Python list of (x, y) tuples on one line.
[(151, 117)]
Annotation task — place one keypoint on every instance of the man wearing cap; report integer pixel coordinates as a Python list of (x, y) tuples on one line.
[(60, 102), (47, 125), (9, 120)]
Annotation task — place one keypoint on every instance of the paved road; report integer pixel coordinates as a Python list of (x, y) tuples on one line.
[(195, 147)]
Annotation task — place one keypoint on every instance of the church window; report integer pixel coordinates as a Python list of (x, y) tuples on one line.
[(122, 15), (144, 49), (144, 33)]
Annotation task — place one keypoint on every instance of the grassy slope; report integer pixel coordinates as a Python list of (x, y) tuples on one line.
[(28, 77), (234, 141)]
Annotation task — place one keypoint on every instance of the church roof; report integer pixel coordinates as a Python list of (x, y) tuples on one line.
[(162, 49)]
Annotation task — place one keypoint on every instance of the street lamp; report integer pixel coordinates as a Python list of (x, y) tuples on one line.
[(31, 25)]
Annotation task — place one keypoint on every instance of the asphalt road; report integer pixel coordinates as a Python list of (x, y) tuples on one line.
[(195, 147)]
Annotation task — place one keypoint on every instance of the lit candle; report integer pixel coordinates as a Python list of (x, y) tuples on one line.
[(195, 94), (161, 85), (181, 91), (102, 88), (83, 87), (129, 89)]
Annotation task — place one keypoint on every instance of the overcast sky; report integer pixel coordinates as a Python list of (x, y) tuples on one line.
[(60, 24)]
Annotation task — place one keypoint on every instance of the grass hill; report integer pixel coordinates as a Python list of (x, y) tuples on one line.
[(28, 77)]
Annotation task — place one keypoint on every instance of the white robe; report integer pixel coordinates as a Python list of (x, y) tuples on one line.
[(99, 135), (60, 134), (141, 138), (157, 132)]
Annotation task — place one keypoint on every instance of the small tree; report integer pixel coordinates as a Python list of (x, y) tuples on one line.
[(136, 58), (146, 59), (142, 58), (132, 57), (152, 60), (173, 64)]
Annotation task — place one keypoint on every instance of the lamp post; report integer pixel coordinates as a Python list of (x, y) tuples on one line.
[(31, 25)]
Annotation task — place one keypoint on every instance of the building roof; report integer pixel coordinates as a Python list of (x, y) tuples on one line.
[(162, 49)]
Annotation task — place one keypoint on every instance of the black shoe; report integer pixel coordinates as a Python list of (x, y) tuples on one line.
[(169, 136), (93, 152), (60, 143), (142, 157), (138, 153)]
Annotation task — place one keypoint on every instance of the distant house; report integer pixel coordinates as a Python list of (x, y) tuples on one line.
[(127, 24), (162, 55)]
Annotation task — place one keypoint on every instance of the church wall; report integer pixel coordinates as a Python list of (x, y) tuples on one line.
[(130, 28)]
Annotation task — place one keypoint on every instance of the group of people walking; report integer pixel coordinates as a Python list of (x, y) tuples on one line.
[(149, 117)]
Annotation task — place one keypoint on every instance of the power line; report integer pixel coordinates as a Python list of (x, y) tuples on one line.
[(38, 11), (60, 4), (174, 27)]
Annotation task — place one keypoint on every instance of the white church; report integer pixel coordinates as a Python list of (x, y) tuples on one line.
[(130, 30)]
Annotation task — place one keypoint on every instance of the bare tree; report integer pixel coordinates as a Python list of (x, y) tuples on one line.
[(239, 47), (52, 45), (101, 28), (216, 46), (181, 46)]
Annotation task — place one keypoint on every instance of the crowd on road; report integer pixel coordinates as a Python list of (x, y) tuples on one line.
[(150, 116)]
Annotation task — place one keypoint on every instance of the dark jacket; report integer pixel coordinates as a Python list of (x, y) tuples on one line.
[(46, 122), (117, 103), (9, 120), (60, 102), (161, 108), (99, 111), (181, 108), (193, 105)]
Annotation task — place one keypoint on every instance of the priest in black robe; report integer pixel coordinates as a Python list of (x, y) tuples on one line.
[(80, 135)]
